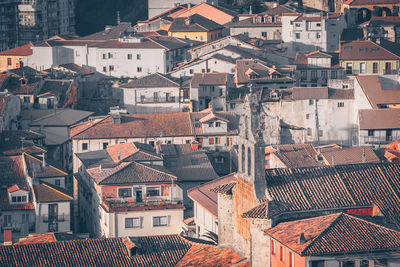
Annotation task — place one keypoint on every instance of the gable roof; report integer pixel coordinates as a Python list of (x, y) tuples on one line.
[(62, 117), (152, 81), (217, 14), (335, 234), (380, 90), (349, 155), (206, 198), (209, 79), (36, 169), (74, 68), (194, 23), (24, 50), (334, 188), (296, 155), (379, 119), (46, 192), (368, 50), (136, 125), (131, 173)]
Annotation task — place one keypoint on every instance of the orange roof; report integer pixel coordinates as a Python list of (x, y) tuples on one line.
[(212, 116), (37, 239), (15, 188), (121, 150), (210, 12), (24, 50)]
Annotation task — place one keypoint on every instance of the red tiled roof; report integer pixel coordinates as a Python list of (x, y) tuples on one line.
[(135, 126), (335, 233), (121, 150), (366, 50), (350, 155), (209, 79), (379, 90), (37, 239), (370, 2), (379, 119), (50, 193), (212, 116), (205, 197), (224, 188), (303, 93), (15, 188), (24, 50)]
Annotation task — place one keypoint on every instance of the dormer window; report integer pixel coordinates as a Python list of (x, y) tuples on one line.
[(18, 199), (211, 124), (217, 124)]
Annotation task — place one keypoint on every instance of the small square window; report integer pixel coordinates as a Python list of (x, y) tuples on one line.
[(138, 56), (57, 182), (132, 222), (105, 144), (217, 124), (84, 146), (129, 56), (311, 102), (139, 69), (307, 116), (160, 221), (340, 104)]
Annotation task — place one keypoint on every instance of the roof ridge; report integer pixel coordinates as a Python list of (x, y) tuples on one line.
[(148, 166), (219, 178), (122, 168), (49, 165), (95, 123), (384, 48), (334, 222), (165, 77), (154, 41), (58, 191)]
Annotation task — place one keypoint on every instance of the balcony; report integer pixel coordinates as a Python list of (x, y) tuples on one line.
[(152, 100), (55, 218), (378, 140), (129, 204)]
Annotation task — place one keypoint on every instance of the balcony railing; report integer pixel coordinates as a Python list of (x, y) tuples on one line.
[(129, 204), (153, 100), (377, 140), (55, 218)]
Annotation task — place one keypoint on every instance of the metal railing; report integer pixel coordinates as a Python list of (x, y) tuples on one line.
[(55, 218)]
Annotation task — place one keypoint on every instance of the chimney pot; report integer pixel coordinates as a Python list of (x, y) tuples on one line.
[(302, 239)]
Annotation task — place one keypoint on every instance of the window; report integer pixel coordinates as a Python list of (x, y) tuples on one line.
[(375, 67), (388, 68), (229, 141), (298, 24), (318, 35), (324, 74), (53, 227), (191, 71), (217, 124), (210, 124), (104, 56), (345, 86), (27, 99), (309, 131), (311, 102), (264, 34), (375, 49), (363, 69), (291, 259), (105, 144), (84, 146), (129, 56), (317, 264), (321, 133), (370, 132), (153, 191), (155, 96), (340, 104), (57, 182), (19, 199), (9, 61), (248, 161), (138, 56), (139, 69), (273, 247), (349, 68), (160, 221), (217, 140), (307, 116), (132, 222), (282, 253), (334, 74), (313, 75), (363, 49), (104, 69), (298, 35), (124, 192), (201, 37), (110, 55), (211, 140), (111, 67), (304, 75)]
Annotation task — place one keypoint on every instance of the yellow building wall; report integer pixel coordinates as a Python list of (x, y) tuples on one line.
[(198, 36), (369, 66), (14, 62)]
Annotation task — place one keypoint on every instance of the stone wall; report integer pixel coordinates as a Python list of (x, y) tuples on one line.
[(260, 243)]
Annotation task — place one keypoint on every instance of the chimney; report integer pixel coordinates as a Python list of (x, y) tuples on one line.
[(7, 236), (44, 160), (302, 239), (119, 155), (116, 118), (133, 248), (251, 10), (157, 147), (195, 145)]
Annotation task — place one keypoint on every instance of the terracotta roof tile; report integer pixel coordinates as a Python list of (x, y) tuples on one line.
[(344, 186), (302, 93), (37, 239), (209, 79), (136, 125), (217, 14), (152, 81), (367, 50), (206, 198), (350, 155), (333, 234), (197, 23), (224, 188), (296, 155), (24, 50), (50, 193), (36, 169), (119, 152), (380, 90), (378, 119)]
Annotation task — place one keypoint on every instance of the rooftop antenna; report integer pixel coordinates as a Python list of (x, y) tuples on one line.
[(118, 18)]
